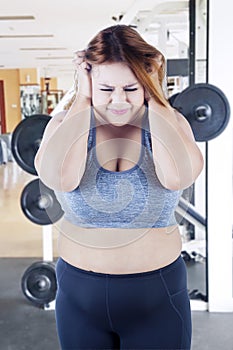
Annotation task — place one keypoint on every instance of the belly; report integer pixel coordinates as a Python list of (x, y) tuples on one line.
[(153, 250)]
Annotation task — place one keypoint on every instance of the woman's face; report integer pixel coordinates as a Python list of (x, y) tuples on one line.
[(117, 96)]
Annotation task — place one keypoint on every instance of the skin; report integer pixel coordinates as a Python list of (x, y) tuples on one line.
[(118, 101)]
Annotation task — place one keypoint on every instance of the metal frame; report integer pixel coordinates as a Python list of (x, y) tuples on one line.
[(219, 166)]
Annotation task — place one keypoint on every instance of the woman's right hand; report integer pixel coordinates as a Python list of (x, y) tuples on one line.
[(84, 74)]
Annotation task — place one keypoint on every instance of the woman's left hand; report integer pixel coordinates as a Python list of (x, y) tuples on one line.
[(84, 76)]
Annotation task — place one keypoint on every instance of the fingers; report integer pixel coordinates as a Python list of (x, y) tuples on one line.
[(80, 60), (83, 69), (80, 53), (79, 57)]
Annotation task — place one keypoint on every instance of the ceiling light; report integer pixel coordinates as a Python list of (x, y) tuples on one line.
[(42, 48), (15, 18), (54, 58), (66, 70), (26, 36), (58, 65)]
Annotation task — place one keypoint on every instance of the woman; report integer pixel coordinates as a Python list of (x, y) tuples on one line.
[(118, 161)]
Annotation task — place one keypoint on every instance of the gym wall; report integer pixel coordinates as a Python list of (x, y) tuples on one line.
[(10, 78)]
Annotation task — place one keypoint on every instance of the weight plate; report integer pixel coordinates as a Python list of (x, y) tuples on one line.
[(26, 140), (39, 203), (172, 98), (39, 283), (206, 108)]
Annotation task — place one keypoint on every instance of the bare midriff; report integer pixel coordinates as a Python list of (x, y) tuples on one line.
[(152, 248)]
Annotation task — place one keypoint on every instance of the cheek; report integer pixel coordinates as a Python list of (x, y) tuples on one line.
[(137, 99), (98, 98)]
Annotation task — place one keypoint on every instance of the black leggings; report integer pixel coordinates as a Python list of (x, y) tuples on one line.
[(149, 310)]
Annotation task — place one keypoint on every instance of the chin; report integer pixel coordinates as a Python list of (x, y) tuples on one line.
[(118, 124), (116, 120), (119, 121)]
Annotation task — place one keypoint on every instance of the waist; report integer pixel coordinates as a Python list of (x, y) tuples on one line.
[(124, 250), (145, 274)]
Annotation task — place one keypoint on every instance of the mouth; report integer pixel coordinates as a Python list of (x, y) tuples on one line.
[(119, 111)]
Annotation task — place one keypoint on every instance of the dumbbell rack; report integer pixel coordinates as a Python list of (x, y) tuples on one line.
[(39, 278)]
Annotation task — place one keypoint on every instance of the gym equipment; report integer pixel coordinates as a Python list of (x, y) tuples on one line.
[(188, 211), (173, 97), (39, 283), (39, 203), (205, 107), (195, 294), (7, 139), (3, 152), (26, 139)]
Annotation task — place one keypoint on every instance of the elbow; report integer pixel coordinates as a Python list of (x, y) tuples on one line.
[(200, 165), (44, 175), (178, 184), (178, 180), (56, 174), (174, 184), (56, 180)]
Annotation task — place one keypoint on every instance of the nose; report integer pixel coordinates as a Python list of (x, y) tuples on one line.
[(118, 96)]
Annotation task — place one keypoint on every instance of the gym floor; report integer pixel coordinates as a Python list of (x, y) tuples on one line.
[(26, 327)]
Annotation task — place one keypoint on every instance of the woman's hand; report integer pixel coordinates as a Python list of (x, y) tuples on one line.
[(84, 76)]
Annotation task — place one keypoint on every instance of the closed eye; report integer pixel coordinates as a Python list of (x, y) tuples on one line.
[(130, 89), (126, 89)]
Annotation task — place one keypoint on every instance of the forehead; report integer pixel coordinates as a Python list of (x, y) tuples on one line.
[(113, 74)]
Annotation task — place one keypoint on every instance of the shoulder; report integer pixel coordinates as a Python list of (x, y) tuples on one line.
[(59, 116), (56, 119)]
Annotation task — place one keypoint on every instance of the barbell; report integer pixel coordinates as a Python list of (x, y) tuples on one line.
[(205, 107)]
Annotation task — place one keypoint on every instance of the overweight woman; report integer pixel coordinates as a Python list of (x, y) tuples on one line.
[(118, 159)]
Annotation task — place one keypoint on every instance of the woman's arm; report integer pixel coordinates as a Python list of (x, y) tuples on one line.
[(61, 159), (177, 158)]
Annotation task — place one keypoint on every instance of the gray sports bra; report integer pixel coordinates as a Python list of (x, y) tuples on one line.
[(133, 198)]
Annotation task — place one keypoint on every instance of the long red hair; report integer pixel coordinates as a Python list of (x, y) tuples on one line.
[(121, 43)]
